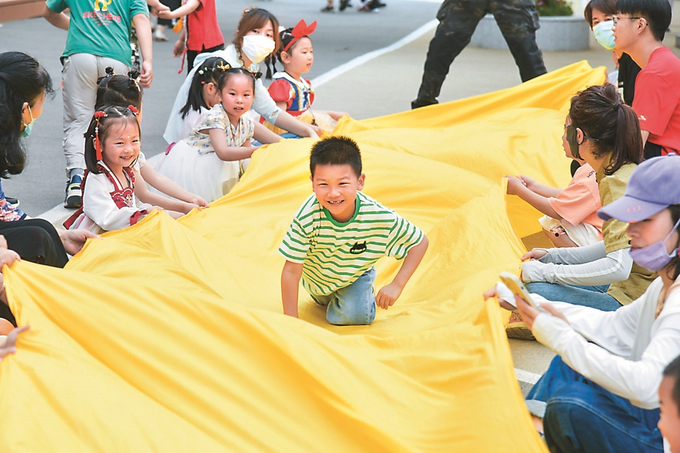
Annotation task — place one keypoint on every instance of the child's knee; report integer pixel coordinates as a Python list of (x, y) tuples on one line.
[(351, 312)]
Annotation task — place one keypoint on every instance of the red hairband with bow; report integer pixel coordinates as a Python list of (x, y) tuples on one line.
[(99, 115), (300, 31)]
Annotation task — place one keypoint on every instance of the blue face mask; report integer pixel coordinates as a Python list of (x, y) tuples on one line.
[(28, 127), (604, 35)]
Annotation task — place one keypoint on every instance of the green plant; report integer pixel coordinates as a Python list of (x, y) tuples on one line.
[(554, 8)]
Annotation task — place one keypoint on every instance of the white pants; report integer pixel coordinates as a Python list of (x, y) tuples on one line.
[(79, 76)]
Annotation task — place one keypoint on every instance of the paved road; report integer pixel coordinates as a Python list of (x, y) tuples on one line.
[(339, 38)]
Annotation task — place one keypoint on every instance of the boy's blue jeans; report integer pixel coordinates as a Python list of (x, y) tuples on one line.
[(353, 305), (588, 296), (580, 416)]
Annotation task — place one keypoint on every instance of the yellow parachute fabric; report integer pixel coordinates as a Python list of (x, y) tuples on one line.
[(168, 336)]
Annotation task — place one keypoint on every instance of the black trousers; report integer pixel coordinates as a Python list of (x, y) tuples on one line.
[(518, 21), (34, 240)]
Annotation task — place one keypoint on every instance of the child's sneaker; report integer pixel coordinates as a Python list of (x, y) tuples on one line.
[(73, 193), (344, 4), (517, 329), (12, 202)]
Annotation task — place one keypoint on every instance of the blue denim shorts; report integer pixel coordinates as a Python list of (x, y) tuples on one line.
[(353, 305)]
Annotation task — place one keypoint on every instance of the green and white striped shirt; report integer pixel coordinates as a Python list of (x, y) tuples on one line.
[(335, 254)]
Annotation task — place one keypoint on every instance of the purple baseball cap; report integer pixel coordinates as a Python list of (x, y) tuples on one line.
[(653, 186)]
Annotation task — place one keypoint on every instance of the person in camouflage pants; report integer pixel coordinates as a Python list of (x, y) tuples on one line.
[(518, 21)]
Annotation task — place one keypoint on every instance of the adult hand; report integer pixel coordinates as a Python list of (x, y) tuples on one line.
[(530, 313), (492, 292), (74, 240), (10, 342), (147, 74), (388, 295), (535, 254)]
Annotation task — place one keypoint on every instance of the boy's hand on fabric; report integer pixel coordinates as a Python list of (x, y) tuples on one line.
[(388, 295), (535, 254), (10, 342)]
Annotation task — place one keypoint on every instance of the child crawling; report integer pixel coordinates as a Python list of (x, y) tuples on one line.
[(338, 234)]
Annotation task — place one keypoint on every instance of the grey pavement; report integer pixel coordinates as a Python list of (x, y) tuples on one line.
[(383, 85)]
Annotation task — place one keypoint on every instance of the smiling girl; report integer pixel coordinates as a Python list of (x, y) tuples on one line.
[(211, 160), (112, 144)]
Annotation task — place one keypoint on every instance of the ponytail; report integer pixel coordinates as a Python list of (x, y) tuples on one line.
[(601, 114)]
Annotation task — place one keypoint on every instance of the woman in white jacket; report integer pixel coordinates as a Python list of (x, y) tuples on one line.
[(600, 392)]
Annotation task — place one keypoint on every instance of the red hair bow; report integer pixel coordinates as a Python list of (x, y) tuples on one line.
[(133, 109), (300, 31)]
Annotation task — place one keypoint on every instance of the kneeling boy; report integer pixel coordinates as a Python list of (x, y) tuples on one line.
[(338, 234)]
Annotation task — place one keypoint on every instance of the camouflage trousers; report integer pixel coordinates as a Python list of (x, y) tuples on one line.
[(517, 20)]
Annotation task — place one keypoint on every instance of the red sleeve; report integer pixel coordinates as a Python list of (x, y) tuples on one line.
[(279, 90), (654, 103)]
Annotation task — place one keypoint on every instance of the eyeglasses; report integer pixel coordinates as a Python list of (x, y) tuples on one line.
[(616, 19)]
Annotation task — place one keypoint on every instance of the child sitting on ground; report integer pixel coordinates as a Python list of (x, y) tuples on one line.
[(122, 91), (213, 158), (289, 89), (338, 234), (112, 143), (669, 399), (570, 214)]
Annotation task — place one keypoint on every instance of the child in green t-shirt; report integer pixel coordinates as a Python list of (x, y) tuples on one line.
[(338, 234)]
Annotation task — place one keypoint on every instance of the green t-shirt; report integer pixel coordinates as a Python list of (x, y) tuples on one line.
[(611, 188), (100, 27), (335, 254)]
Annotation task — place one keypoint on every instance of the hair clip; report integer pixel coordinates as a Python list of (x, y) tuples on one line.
[(133, 109), (300, 31), (256, 75), (223, 66), (247, 10)]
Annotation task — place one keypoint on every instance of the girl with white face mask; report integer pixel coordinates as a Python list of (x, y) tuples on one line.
[(600, 392), (256, 40)]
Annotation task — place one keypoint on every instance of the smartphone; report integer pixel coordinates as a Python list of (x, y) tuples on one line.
[(518, 288)]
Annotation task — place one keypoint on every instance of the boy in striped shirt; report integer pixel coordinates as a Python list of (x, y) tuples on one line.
[(338, 234)]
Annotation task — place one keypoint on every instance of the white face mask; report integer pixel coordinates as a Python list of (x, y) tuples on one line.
[(604, 34), (257, 47)]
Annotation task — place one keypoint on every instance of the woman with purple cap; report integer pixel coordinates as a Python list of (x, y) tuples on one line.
[(600, 391)]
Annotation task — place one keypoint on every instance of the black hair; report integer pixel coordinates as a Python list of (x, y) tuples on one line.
[(286, 37), (614, 127), (337, 150), (673, 267), (608, 7), (209, 71), (226, 75), (113, 116), (657, 13), (22, 79), (252, 19), (119, 90), (673, 370)]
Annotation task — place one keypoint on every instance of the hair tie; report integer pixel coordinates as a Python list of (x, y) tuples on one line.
[(133, 109), (223, 66), (300, 31), (97, 145)]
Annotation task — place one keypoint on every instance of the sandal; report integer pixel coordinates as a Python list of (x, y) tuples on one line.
[(327, 9)]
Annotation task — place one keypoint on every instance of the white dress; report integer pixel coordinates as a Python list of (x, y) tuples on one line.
[(193, 164)]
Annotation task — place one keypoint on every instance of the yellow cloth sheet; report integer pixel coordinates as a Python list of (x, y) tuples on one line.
[(169, 336)]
